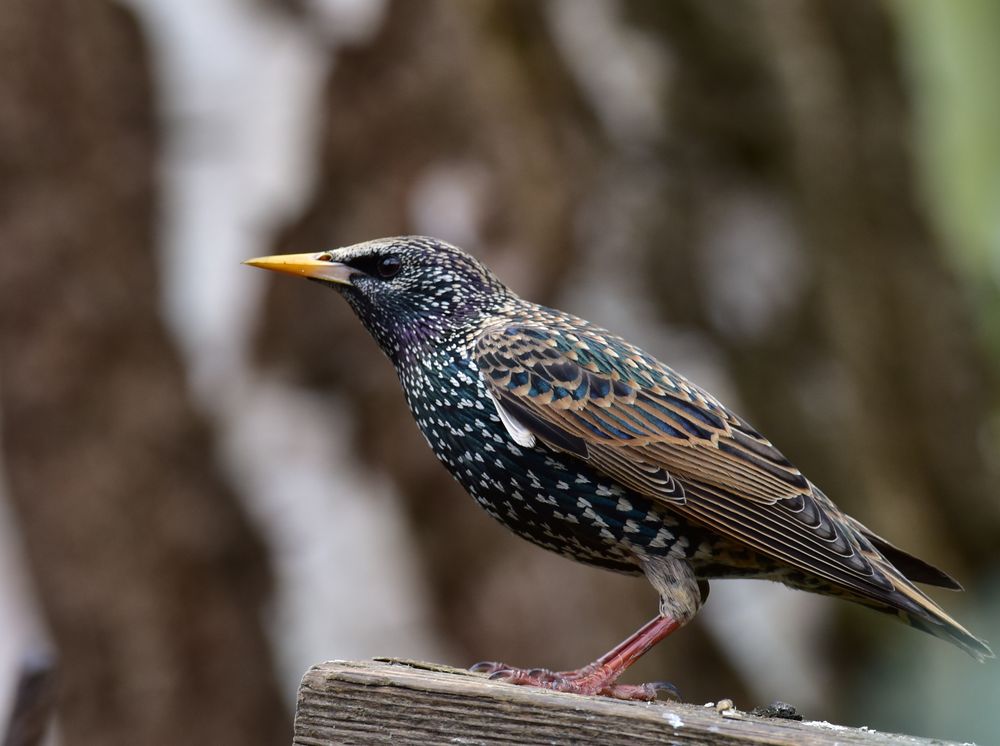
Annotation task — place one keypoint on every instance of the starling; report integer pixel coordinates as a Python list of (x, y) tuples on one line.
[(585, 445)]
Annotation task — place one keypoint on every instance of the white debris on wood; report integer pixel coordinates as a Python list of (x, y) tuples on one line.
[(674, 719), (825, 725)]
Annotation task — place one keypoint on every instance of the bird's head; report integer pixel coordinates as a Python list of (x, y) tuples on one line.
[(409, 291)]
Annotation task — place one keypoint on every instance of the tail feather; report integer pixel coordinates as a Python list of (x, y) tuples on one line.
[(920, 612), (905, 600), (951, 632)]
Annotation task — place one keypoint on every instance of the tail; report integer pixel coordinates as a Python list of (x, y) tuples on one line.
[(907, 601), (920, 612)]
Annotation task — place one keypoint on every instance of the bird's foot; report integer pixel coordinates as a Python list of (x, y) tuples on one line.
[(594, 679)]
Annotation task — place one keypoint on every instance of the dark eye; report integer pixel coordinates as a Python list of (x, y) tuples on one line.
[(389, 266)]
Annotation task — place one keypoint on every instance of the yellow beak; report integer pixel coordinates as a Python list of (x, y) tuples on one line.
[(319, 266)]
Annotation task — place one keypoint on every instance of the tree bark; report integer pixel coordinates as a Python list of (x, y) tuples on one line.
[(150, 576)]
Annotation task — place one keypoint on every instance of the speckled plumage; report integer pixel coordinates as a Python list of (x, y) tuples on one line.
[(585, 445)]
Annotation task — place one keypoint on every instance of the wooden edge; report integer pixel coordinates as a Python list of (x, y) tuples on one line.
[(412, 702)]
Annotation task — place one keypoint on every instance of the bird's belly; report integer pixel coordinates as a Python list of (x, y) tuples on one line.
[(562, 504), (551, 499)]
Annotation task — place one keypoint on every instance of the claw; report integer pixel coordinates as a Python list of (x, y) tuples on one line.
[(486, 667), (665, 687)]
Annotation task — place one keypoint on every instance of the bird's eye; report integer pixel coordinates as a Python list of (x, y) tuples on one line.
[(389, 267)]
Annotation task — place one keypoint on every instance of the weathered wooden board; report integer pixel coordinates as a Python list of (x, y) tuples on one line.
[(406, 702)]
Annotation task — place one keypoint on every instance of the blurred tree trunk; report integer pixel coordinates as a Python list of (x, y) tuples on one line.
[(149, 574)]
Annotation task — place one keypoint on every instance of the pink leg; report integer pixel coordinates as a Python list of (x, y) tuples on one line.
[(600, 676)]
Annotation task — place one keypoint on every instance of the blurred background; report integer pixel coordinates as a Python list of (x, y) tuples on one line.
[(210, 480)]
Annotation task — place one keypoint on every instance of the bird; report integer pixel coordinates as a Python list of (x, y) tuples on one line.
[(585, 445)]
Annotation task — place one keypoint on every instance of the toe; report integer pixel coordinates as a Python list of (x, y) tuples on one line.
[(513, 676), (630, 692)]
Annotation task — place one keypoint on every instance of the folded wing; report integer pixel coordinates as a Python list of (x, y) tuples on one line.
[(595, 396)]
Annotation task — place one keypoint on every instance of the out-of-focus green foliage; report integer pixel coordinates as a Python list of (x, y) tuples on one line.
[(954, 58)]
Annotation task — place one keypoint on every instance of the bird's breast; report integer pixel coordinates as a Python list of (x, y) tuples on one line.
[(550, 498)]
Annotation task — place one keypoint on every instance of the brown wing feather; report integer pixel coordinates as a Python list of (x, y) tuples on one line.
[(658, 434)]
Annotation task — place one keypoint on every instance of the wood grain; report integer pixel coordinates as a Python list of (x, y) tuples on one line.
[(407, 702)]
